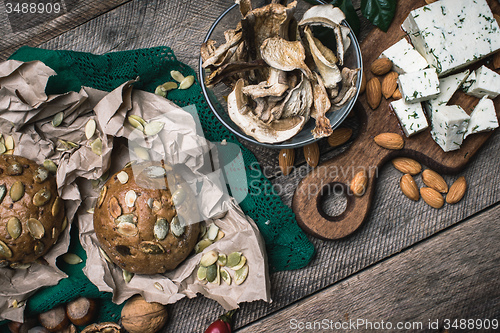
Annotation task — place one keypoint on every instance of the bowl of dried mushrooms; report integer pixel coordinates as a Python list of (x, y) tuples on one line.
[(282, 74)]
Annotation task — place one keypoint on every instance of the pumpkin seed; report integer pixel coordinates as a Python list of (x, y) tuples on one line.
[(57, 206), (41, 197), (222, 260), (241, 275), (242, 262), (203, 230), (36, 228), (95, 183), (9, 142), (177, 227), (14, 227), (212, 232), (58, 119), (177, 76), (64, 223), (233, 259), (155, 171), (160, 91), (127, 276), (14, 304), (17, 191), (40, 175), (126, 218), (167, 86), (18, 265), (217, 279), (138, 119), (90, 128), (39, 247), (202, 245), (158, 286), (220, 235), (224, 274), (153, 128), (202, 273), (5, 251), (54, 233), (51, 166), (127, 229), (130, 198), (2, 148), (72, 144), (105, 256), (209, 258), (97, 146), (151, 248), (141, 153), (211, 273), (102, 195), (4, 263), (135, 123), (114, 207), (160, 229), (178, 196), (187, 82), (3, 191), (15, 169), (122, 177)]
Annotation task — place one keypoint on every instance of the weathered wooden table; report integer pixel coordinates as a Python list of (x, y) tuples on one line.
[(408, 263)]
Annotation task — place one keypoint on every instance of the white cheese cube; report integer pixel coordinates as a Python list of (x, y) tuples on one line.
[(449, 123), (483, 118), (405, 58), (468, 82), (487, 83), (411, 116), (419, 86), (451, 34), (448, 85)]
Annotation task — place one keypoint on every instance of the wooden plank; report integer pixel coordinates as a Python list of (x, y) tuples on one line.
[(33, 28), (432, 281)]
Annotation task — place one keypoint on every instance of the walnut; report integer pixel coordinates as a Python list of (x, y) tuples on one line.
[(139, 316), (103, 328)]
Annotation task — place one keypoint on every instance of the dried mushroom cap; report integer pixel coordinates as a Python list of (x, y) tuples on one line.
[(277, 131), (231, 69), (348, 91), (264, 89), (245, 6), (329, 11), (321, 106), (299, 100), (222, 50), (284, 55)]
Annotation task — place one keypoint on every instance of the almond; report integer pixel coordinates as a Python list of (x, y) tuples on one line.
[(358, 184), (432, 197), (373, 92), (286, 159), (339, 136), (409, 187), (381, 66), (311, 154), (389, 141), (397, 94), (389, 84), (457, 191), (407, 165), (362, 87), (434, 180), (496, 60)]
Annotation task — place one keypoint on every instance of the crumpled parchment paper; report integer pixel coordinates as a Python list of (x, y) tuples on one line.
[(26, 113)]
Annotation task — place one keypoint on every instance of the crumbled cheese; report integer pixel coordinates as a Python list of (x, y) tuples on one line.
[(487, 83), (419, 86), (483, 118), (404, 57), (451, 34), (411, 116), (449, 123)]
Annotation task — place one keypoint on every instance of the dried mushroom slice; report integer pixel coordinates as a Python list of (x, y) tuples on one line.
[(285, 55), (348, 91), (299, 100), (232, 68), (222, 50), (321, 106)]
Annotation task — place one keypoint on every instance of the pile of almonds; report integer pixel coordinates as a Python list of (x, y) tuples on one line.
[(380, 68), (435, 187)]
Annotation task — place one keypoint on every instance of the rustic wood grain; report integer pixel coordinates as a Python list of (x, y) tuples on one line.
[(432, 281)]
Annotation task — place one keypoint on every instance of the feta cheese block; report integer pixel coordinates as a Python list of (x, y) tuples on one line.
[(483, 118), (452, 34), (419, 86), (411, 116), (468, 82), (449, 123), (447, 86), (487, 83), (404, 57)]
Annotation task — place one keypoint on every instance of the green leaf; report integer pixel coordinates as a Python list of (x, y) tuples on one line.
[(379, 12)]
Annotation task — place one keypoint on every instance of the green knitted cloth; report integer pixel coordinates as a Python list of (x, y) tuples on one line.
[(287, 246)]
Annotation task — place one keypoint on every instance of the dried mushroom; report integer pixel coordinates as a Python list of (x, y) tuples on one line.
[(280, 73)]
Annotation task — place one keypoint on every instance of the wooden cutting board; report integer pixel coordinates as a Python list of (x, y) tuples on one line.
[(335, 175)]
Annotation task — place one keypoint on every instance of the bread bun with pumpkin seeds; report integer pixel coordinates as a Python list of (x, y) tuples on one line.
[(146, 218), (31, 212)]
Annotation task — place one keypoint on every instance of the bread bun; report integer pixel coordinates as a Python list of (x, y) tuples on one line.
[(137, 223), (31, 212)]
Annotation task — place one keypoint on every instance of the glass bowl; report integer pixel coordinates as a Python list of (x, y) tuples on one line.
[(215, 95)]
